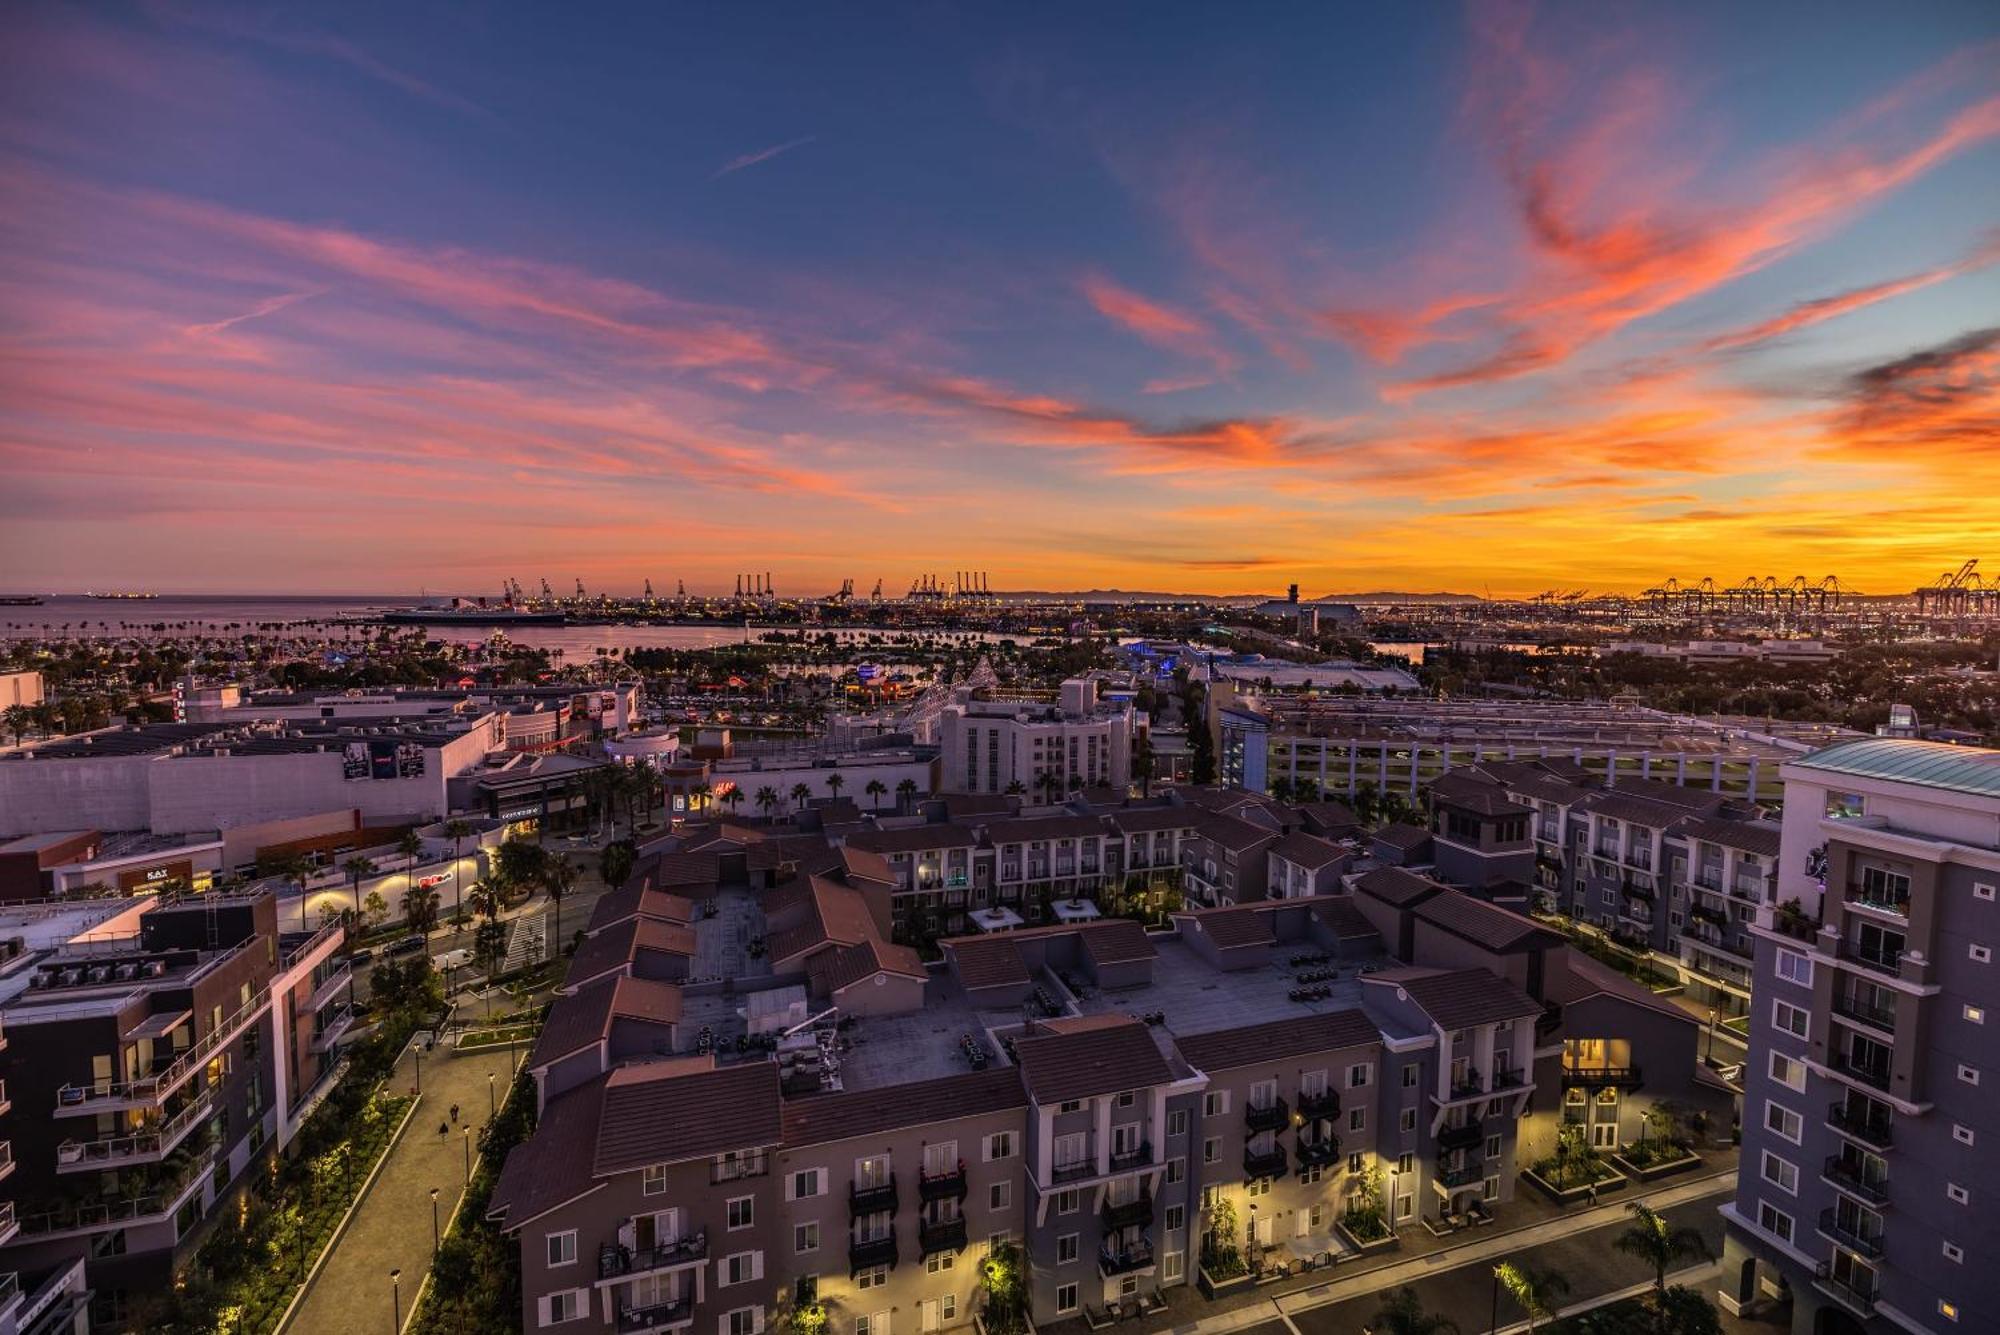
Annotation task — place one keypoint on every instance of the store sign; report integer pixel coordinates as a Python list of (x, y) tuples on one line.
[(435, 878), (152, 880), (381, 758)]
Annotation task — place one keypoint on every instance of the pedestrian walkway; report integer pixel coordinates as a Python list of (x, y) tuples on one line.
[(392, 1230)]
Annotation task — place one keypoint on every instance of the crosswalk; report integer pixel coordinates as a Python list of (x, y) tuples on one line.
[(527, 942)]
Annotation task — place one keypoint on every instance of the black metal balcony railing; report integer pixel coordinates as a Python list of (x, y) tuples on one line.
[(1899, 905), (1512, 1078), (872, 1199), (1324, 1104), (1467, 1084), (1272, 1116), (942, 1235), (1460, 1137), (1847, 1175), (1267, 1163), (863, 1253), (1137, 1157), (1856, 1289), (1321, 1152), (616, 1261), (1595, 1077), (1135, 1213), (1452, 1178), (946, 1185), (1074, 1169), (1870, 1130), (1123, 1260), (658, 1316), (1879, 958), (1870, 1245), (1874, 1074), (1873, 1013)]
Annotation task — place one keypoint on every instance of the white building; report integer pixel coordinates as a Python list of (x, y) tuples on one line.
[(990, 745)]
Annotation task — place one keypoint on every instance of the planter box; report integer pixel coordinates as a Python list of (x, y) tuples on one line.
[(1212, 1288), (1658, 1170), (1387, 1243), (1579, 1192)]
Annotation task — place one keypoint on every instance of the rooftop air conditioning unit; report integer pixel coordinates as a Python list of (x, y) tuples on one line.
[(156, 968)]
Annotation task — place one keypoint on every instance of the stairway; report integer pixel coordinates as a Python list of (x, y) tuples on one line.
[(528, 943)]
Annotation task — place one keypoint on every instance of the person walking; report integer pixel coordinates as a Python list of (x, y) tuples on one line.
[(454, 1114), (443, 1130)]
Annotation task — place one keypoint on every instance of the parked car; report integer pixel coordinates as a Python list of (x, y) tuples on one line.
[(413, 944), (360, 955)]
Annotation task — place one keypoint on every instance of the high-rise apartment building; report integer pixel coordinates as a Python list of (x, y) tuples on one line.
[(1869, 1102)]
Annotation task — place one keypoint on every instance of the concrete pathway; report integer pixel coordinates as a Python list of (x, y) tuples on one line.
[(352, 1294)]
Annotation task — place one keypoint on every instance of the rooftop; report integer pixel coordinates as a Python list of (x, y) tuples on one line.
[(1959, 769)]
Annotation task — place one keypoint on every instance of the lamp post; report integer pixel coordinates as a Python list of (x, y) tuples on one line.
[(396, 1299), (492, 1108), (417, 1051), (468, 1154), (1493, 1321), (1711, 1036), (435, 1240)]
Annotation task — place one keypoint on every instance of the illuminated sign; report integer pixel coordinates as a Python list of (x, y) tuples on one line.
[(435, 878)]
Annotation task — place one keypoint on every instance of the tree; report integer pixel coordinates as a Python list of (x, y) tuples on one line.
[(767, 800), (1651, 1239), (17, 719), (1142, 758), (420, 908), (375, 909), (875, 788), (1221, 1253), (801, 792), (615, 863), (411, 846), (700, 794), (458, 831), (1402, 1313), (489, 946), (485, 898), (834, 783), (1004, 1278), (358, 868), (1534, 1289), (1281, 789), (1015, 788), (1685, 1311), (734, 797), (906, 793), (518, 864), (559, 877)]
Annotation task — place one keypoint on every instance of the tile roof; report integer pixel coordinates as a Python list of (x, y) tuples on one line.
[(1583, 977), (1229, 832), (1307, 850), (823, 1118), (1467, 793), (1335, 816), (1116, 941), (1085, 1056), (1338, 915), (838, 914), (620, 944), (1393, 885), (1234, 926), (1277, 1040), (1761, 837), (1455, 999), (582, 1019), (681, 870), (1402, 835), (553, 1165), (1486, 925), (913, 839), (834, 969), (1022, 829), (633, 901), (1136, 820), (986, 961), (665, 1112)]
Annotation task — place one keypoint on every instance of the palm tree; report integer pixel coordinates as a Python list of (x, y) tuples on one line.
[(420, 908), (359, 868), (458, 831), (800, 792), (734, 798), (875, 790), (1535, 1289), (1015, 788), (767, 800), (559, 877), (1402, 1313), (906, 792), (1686, 1311), (834, 783), (1659, 1244), (17, 719), (410, 845), (485, 897)]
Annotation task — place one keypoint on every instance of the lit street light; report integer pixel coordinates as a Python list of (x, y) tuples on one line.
[(492, 1108), (396, 1299), (468, 1154), (435, 1241)]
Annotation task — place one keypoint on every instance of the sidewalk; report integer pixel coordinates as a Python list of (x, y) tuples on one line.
[(392, 1227)]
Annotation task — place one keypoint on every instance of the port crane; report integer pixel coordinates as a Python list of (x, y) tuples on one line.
[(1963, 592)]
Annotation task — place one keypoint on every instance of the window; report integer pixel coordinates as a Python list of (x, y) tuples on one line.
[(1774, 1221), (1954, 1253), (1794, 967), (1781, 1173), (1127, 1099), (1975, 1014), (1067, 1202), (1066, 1248), (1493, 1147), (1000, 1195), (1783, 1121), (805, 1238), (741, 1268), (1358, 1075), (563, 1305), (1177, 1122), (1981, 890), (742, 1212), (1065, 1297), (1070, 1106), (1170, 1267), (1792, 1019), (1406, 1162), (1176, 1170), (1176, 1217), (1000, 1145), (939, 1262), (743, 1321), (1958, 1195), (1409, 1119), (653, 1179), (1211, 1150), (1410, 1076), (1788, 1071), (1357, 1119), (1215, 1103), (873, 1277), (805, 1183), (1354, 1162), (1947, 1310), (562, 1248)]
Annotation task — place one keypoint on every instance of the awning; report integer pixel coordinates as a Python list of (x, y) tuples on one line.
[(158, 1025)]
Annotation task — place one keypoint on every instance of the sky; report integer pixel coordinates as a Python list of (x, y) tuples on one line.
[(1214, 298)]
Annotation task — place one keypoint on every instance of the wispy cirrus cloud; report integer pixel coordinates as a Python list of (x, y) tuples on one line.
[(1157, 323), (737, 164), (1818, 310)]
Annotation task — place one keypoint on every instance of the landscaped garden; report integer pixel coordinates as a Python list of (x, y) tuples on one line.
[(475, 1283)]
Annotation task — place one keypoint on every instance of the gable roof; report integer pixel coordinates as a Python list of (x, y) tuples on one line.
[(1306, 850), (822, 1118), (913, 839), (633, 900), (837, 915), (666, 1112), (1486, 925), (1461, 997), (1233, 925), (583, 1019), (986, 961), (1583, 978), (1229, 832), (1277, 1040), (553, 1165), (1022, 829), (1136, 820), (1462, 790), (1081, 1057), (1402, 835), (620, 944), (1116, 941), (1338, 914), (1760, 837), (1393, 885), (834, 969)]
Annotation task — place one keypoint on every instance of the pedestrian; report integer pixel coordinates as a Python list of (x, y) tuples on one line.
[(454, 1114), (444, 1130), (1593, 1191)]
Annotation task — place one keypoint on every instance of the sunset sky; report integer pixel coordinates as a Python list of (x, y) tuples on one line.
[(1208, 298)]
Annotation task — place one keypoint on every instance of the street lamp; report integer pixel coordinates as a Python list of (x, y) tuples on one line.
[(1711, 1036), (396, 1299), (417, 1051), (468, 1154), (435, 1241), (1493, 1321), (492, 1109)]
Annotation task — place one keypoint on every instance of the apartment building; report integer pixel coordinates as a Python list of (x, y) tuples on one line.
[(839, 1124), (998, 745), (151, 1057), (1868, 1107)]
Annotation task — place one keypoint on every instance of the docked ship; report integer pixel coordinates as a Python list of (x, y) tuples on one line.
[(122, 597), (20, 600), (464, 612)]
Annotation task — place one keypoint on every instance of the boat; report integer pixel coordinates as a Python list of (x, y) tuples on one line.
[(121, 597), (467, 616), (20, 600)]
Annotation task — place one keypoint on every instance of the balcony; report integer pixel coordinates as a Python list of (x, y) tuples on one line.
[(1870, 1013), (1273, 1116), (1139, 1156), (1879, 959), (1467, 1084), (1708, 878), (1453, 1178), (8, 1225), (1321, 1152), (1873, 1074), (1324, 1104), (1135, 1213), (1266, 1163), (1074, 1170), (147, 1146), (1847, 1176), (1460, 1137), (941, 1235), (1597, 1077), (330, 1026), (948, 1185), (1870, 1245), (659, 1316), (1136, 1255), (1856, 1291), (1512, 1078), (148, 1090), (872, 1199), (734, 1167), (1896, 906), (619, 1262), (1873, 1132), (163, 1195), (863, 1253), (6, 1104)]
